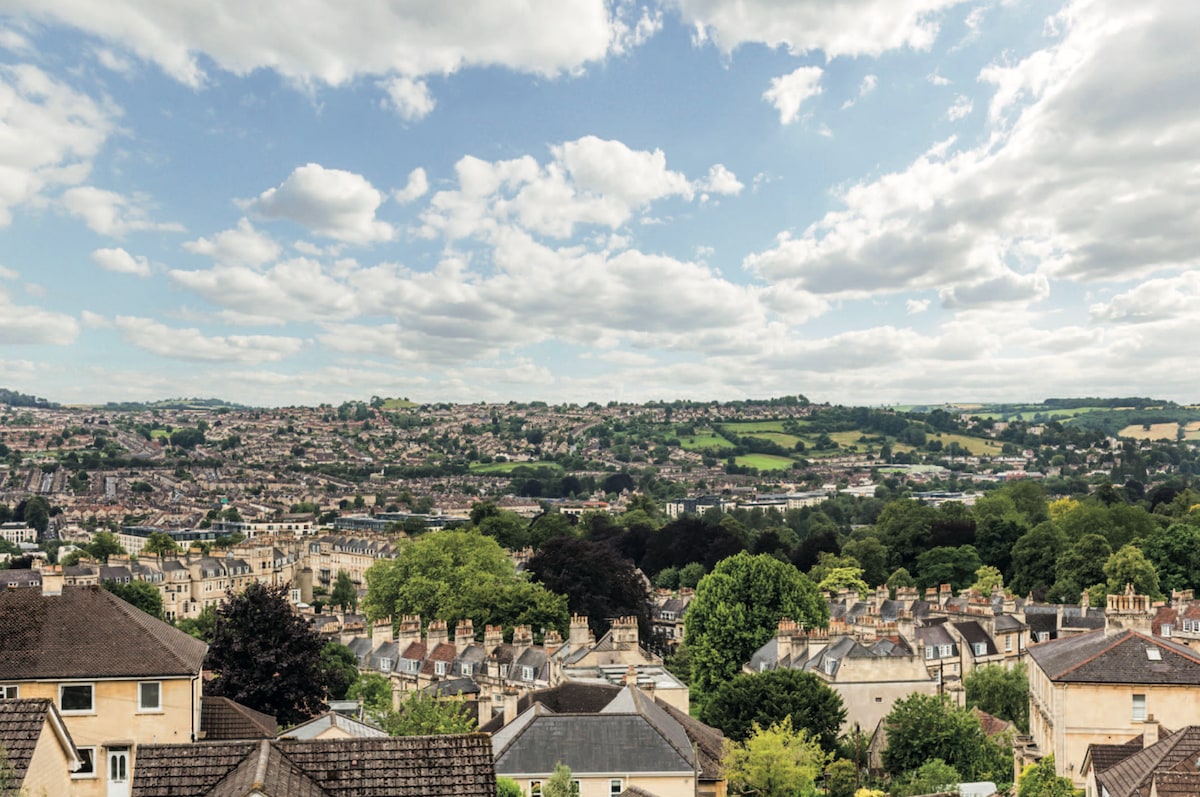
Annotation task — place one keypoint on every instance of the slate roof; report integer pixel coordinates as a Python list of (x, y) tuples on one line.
[(1119, 659), (449, 687), (21, 723), (1006, 622), (1106, 756), (631, 734), (973, 633), (1132, 777), (331, 719), (407, 766), (74, 635), (21, 578), (222, 719)]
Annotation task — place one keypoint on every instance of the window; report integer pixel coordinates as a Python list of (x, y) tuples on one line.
[(830, 666), (503, 670), (980, 648), (88, 769), (929, 651), (1153, 654), (1008, 643), (9, 691), (1139, 708), (535, 788), (526, 673), (150, 696), (1166, 630), (945, 651), (439, 667), (467, 668), (879, 700), (615, 787), (574, 788), (385, 665), (668, 615), (75, 698)]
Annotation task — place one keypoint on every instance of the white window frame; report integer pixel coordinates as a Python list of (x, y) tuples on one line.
[(1139, 708), (150, 709), (1166, 630), (80, 774), (1008, 643), (526, 673), (10, 691), (439, 668), (945, 651), (979, 648), (929, 652), (385, 665), (68, 712), (615, 787)]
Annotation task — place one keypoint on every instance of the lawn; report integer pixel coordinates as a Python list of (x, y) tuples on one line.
[(398, 404), (704, 440), (1158, 431), (765, 462), (976, 445), (157, 433), (779, 438), (749, 427), (509, 467)]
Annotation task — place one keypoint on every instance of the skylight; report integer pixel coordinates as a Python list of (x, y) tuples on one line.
[(1154, 654)]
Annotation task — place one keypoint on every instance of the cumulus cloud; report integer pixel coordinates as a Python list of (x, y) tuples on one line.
[(1153, 300), (242, 245), (720, 181), (51, 133), (329, 202), (1087, 174), (408, 97), (788, 92), (24, 324), (869, 84), (121, 262), (191, 344), (334, 43), (416, 187), (848, 28), (961, 108), (113, 214), (916, 306), (1004, 288)]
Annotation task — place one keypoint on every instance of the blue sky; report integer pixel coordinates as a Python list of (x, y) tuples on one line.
[(864, 201)]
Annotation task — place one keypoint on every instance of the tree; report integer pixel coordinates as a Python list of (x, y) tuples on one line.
[(900, 578), (840, 578), (160, 543), (344, 594), (424, 715), (774, 762), (904, 526), (1080, 566), (37, 514), (690, 575), (339, 668), (841, 777), (263, 656), (1040, 780), (1035, 557), (929, 778), (187, 438), (201, 626), (1175, 553), (559, 784), (141, 594), (738, 607), (598, 582), (1130, 567), (1001, 692), (987, 579), (507, 787), (766, 698), (375, 693), (945, 565), (872, 555), (921, 728), (103, 545)]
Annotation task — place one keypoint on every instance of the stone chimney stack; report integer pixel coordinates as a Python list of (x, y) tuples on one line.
[(437, 634), (625, 631), (52, 581), (580, 636), (464, 635), (552, 642), (382, 631), (1150, 731), (510, 704), (493, 637), (631, 676), (410, 630), (522, 636), (783, 638)]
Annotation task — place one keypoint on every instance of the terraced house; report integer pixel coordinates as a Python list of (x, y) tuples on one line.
[(118, 677)]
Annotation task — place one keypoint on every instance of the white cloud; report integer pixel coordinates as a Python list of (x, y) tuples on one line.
[(1153, 300), (121, 262), (869, 84), (408, 97), (1088, 174), (112, 214), (916, 306), (937, 79), (333, 43), (961, 108), (416, 187), (51, 133), (720, 181), (191, 344), (23, 324), (242, 245), (845, 28), (14, 42), (329, 202), (1004, 288), (788, 92), (297, 289)]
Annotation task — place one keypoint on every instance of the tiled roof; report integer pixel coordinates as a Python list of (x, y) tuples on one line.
[(74, 635), (973, 633), (408, 766), (222, 719), (331, 719), (21, 723), (1122, 658), (1132, 777), (1106, 756)]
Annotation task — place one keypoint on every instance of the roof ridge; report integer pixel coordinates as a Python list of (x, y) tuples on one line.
[(1178, 650), (1117, 640)]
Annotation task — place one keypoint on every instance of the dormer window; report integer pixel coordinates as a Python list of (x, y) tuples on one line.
[(439, 667), (830, 666), (979, 648)]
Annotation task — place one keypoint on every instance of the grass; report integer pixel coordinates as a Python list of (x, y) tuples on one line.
[(785, 440), (509, 467), (698, 442), (976, 445), (398, 404), (1157, 431), (157, 433), (765, 462), (749, 427)]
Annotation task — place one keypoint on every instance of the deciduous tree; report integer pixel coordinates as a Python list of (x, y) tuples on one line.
[(766, 698), (921, 728), (141, 594), (777, 761), (598, 582), (424, 715), (344, 593), (1002, 692)]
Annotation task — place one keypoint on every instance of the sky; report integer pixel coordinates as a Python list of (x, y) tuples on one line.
[(862, 201)]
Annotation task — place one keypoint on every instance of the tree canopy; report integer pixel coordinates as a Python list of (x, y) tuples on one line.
[(921, 728), (1002, 692), (263, 656), (598, 582), (738, 607), (766, 698), (421, 714), (141, 594), (777, 761)]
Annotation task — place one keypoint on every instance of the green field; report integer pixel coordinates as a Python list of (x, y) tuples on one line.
[(509, 467), (765, 462), (976, 445), (157, 433), (1039, 414), (398, 404), (699, 442), (779, 438), (749, 427)]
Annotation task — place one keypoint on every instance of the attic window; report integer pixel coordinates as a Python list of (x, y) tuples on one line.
[(1154, 654)]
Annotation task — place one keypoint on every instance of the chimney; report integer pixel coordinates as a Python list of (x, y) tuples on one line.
[(906, 626), (631, 676), (510, 704), (579, 636), (382, 631), (437, 634), (1149, 731), (552, 642), (410, 630), (52, 581), (783, 638), (493, 637), (464, 635), (484, 704), (522, 636), (625, 631)]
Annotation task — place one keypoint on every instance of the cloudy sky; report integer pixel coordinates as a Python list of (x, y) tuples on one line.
[(866, 201)]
